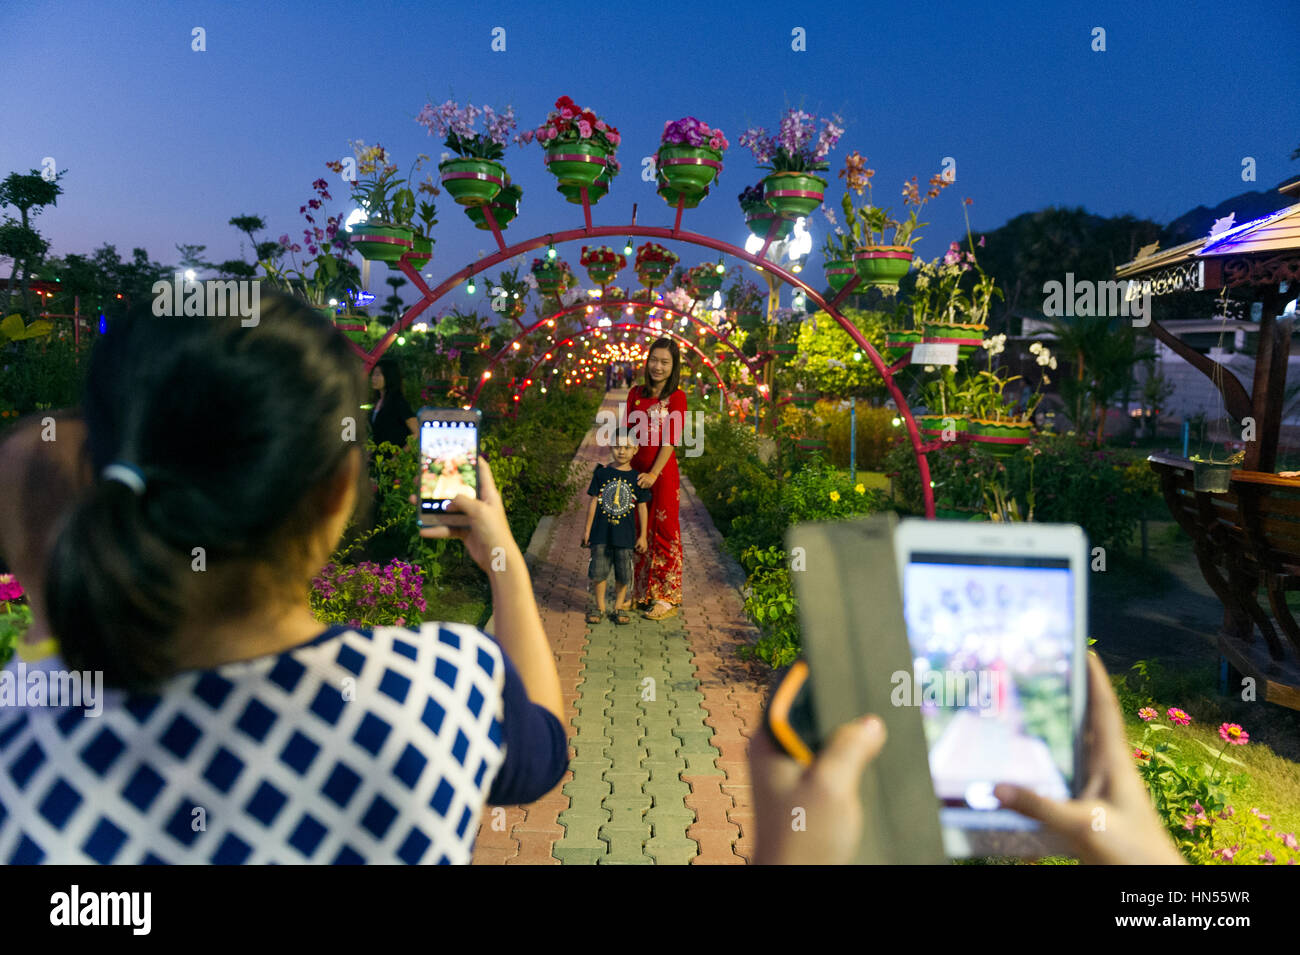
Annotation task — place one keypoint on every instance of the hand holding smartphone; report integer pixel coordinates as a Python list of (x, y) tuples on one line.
[(449, 453)]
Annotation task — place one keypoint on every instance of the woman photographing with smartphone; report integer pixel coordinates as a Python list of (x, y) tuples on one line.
[(223, 470), (656, 411)]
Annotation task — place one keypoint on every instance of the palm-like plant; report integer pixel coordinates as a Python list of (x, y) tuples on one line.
[(1104, 353)]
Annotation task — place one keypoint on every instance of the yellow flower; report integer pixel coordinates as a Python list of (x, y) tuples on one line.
[(860, 489), (835, 495)]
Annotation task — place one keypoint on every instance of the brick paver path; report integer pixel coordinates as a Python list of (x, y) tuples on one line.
[(659, 713)]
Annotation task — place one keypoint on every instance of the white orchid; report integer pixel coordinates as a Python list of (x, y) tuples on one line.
[(1035, 348)]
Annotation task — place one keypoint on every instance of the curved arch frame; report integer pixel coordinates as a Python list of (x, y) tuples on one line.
[(675, 234)]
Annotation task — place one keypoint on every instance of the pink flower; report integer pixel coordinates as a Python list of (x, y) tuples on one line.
[(601, 125), (1225, 854), (1258, 814), (526, 135), (584, 129), (1289, 840), (1147, 714), (566, 113), (716, 142), (614, 139), (981, 242), (1268, 858), (1178, 716), (1234, 734), (1141, 754), (10, 588)]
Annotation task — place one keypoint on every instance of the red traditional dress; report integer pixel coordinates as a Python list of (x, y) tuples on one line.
[(655, 423)]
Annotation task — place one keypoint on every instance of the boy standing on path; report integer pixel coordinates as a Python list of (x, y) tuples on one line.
[(611, 530)]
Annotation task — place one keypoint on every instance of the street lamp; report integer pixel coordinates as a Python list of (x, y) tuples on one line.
[(791, 250)]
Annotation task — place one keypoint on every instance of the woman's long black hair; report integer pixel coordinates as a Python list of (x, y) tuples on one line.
[(237, 431), (392, 369)]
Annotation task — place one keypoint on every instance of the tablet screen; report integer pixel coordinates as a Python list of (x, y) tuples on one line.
[(992, 641)]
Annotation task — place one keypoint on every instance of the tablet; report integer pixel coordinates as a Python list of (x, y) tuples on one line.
[(996, 618)]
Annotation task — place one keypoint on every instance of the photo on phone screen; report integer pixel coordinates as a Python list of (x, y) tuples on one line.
[(993, 641), (448, 462)]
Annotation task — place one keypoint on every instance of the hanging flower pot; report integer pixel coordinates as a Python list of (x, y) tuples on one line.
[(595, 192), (811, 446), (899, 342), (353, 326), (760, 222), (577, 163), (933, 424), (785, 350), (652, 274), (440, 385), (654, 263), (750, 320), (882, 264), (793, 193), (503, 212), (421, 251), (966, 337), (516, 308), (689, 169), (838, 272), (1213, 476), (472, 182), (553, 277), (672, 195), (704, 283), (382, 242), (463, 341), (1000, 438), (805, 399)]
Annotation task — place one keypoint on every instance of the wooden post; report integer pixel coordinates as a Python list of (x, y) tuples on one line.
[(1270, 382)]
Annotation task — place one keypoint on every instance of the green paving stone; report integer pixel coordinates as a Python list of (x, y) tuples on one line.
[(595, 764), (662, 751), (626, 782), (697, 765), (694, 741), (691, 718), (626, 845), (666, 850), (663, 768), (627, 817), (586, 787), (667, 792), (582, 827), (580, 852)]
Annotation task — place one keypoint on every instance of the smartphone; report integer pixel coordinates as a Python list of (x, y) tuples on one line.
[(996, 619), (449, 448)]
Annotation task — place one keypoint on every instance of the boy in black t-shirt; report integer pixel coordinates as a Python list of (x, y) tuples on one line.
[(611, 530)]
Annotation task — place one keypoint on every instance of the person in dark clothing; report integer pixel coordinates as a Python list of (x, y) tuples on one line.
[(628, 375), (392, 419)]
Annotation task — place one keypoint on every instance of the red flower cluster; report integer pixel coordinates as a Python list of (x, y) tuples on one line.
[(602, 255), (653, 252), (569, 122)]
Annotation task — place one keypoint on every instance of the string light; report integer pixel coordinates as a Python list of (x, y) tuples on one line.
[(469, 286)]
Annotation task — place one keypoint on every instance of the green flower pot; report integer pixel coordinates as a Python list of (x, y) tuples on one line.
[(421, 252), (702, 286), (602, 274), (472, 182), (595, 192), (805, 399), (932, 424), (750, 321), (882, 264), (811, 446), (899, 342), (382, 242), (463, 341), (760, 221), (653, 273), (838, 272), (689, 169), (672, 196), (793, 193), (577, 163), (502, 213), (966, 337), (1001, 438), (785, 350)]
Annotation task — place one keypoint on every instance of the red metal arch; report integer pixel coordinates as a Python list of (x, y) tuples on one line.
[(504, 253), (631, 325), (622, 303)]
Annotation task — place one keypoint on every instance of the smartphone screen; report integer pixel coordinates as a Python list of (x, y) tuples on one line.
[(993, 647), (448, 462)]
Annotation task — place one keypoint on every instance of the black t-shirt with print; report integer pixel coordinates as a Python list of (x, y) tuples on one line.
[(617, 495)]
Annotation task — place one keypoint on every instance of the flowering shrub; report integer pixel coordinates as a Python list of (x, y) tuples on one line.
[(571, 123), (692, 132), (456, 125), (797, 146), (771, 602), (1192, 797), (368, 595), (15, 615)]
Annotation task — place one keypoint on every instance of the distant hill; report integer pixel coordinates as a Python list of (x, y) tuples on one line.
[(1247, 206)]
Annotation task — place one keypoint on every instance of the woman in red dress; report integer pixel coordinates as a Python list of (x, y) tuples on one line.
[(656, 411)]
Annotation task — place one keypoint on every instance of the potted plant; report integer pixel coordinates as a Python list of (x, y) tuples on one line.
[(422, 250), (597, 190), (837, 257), (994, 423), (744, 302), (703, 280), (505, 207), (553, 276), (941, 399), (793, 156), (880, 261), (473, 174), (389, 203), (577, 142), (602, 263), (759, 215), (899, 342), (690, 155), (654, 263), (1214, 476)]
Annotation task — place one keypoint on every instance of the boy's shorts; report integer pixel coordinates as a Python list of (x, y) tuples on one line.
[(602, 555)]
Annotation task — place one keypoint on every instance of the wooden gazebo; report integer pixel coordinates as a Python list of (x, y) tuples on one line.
[(1246, 538)]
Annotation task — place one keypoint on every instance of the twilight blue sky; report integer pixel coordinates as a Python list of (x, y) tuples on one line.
[(165, 144)]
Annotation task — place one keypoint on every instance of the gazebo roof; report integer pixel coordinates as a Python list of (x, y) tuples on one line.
[(1263, 251)]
